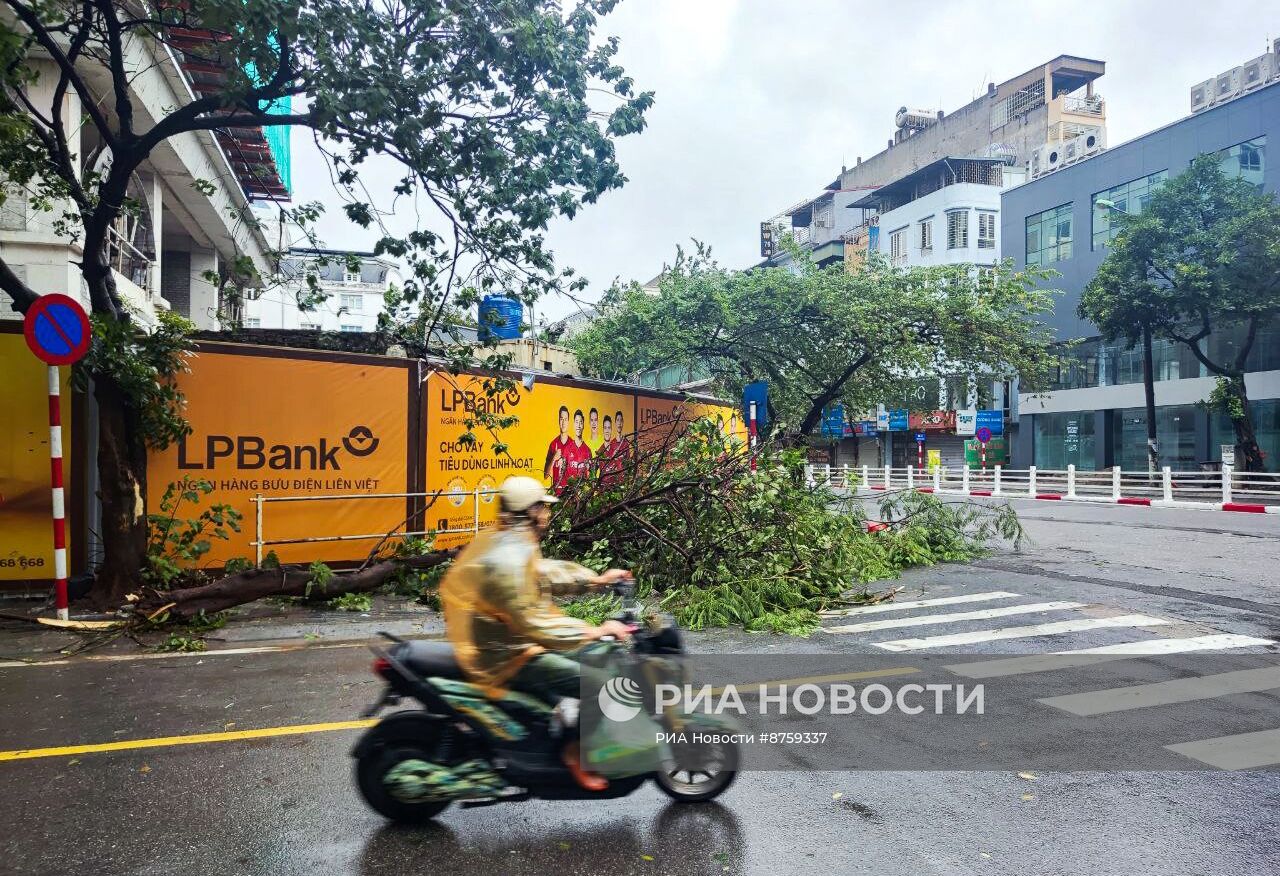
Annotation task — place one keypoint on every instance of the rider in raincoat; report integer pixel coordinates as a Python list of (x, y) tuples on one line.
[(506, 631)]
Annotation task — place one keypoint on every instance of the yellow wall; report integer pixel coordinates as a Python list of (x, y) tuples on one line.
[(26, 504)]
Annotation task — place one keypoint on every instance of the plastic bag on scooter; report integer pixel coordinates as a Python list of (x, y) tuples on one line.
[(633, 747)]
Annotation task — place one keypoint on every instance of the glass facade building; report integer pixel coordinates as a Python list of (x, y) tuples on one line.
[(1049, 236), (1092, 411)]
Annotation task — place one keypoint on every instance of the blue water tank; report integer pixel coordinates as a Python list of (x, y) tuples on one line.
[(500, 318)]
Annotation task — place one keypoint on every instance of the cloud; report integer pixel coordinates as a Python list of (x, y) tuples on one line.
[(759, 102)]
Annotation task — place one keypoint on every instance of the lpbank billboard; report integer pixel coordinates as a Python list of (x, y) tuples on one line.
[(300, 425), (285, 423), (566, 428)]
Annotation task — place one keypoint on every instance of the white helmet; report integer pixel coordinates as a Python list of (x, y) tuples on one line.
[(522, 493)]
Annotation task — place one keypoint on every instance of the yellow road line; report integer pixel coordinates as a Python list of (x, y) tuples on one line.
[(191, 739), (296, 729)]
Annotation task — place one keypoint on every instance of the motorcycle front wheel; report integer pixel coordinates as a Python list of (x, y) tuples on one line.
[(700, 775)]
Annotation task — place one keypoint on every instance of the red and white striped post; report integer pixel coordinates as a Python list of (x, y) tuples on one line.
[(58, 333), (59, 494), (983, 445)]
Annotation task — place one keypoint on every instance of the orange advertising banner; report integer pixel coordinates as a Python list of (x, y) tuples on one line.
[(26, 500), (284, 424), (561, 430)]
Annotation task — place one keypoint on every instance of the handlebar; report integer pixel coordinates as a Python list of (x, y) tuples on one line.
[(626, 588)]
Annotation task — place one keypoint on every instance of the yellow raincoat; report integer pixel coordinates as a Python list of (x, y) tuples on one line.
[(497, 603)]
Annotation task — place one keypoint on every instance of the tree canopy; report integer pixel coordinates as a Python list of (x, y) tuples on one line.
[(820, 336), (1203, 257), (501, 115)]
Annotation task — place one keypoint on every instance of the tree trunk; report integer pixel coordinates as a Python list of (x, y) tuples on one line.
[(285, 581), (1149, 389), (1248, 453), (122, 491)]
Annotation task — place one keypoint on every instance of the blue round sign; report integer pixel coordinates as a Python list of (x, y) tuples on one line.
[(56, 329), (983, 435)]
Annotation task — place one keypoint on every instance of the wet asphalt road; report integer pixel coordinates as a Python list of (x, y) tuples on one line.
[(287, 804)]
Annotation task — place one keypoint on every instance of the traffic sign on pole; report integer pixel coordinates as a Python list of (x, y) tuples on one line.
[(983, 435), (58, 332), (57, 329)]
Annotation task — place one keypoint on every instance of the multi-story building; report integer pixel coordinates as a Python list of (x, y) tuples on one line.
[(353, 297), (1095, 417), (192, 191), (944, 213), (1049, 112)]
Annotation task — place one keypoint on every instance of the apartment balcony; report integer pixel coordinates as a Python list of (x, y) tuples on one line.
[(1090, 109)]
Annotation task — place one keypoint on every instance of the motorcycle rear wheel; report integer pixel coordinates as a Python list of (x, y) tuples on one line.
[(399, 746)]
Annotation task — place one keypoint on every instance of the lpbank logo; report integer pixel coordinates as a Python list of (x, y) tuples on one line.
[(251, 452)]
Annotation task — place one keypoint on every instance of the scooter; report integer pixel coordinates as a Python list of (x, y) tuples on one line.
[(459, 745)]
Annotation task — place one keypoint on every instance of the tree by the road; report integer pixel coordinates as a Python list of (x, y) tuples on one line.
[(1202, 258), (821, 336), (491, 108)]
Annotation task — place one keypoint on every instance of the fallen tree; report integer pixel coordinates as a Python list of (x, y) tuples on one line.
[(721, 539), (291, 580), (714, 534)]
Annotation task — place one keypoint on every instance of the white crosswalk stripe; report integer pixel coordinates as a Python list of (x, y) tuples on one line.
[(1243, 751), (1163, 693), (1005, 633), (1089, 656), (954, 617), (881, 607)]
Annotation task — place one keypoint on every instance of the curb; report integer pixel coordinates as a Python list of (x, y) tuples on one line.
[(1138, 501)]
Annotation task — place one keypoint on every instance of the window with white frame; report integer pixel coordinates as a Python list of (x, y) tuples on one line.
[(986, 230), (252, 322), (311, 326), (353, 303), (350, 276), (958, 229), (350, 328), (926, 235), (898, 247)]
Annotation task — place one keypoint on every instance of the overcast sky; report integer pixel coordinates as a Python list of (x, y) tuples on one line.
[(759, 102)]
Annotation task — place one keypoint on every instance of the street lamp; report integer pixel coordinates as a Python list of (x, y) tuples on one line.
[(1148, 375)]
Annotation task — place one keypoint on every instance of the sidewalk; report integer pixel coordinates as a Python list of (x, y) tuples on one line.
[(252, 624)]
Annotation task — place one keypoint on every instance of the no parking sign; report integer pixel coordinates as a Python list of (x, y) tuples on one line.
[(58, 332)]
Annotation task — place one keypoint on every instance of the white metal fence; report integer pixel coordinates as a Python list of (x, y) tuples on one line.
[(1226, 490), (473, 496)]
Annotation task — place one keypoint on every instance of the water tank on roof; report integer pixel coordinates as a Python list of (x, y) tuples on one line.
[(500, 318), (915, 119)]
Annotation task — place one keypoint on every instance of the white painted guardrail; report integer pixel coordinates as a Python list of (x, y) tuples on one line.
[(1227, 490)]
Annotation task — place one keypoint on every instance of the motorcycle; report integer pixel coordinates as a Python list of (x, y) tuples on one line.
[(459, 745)]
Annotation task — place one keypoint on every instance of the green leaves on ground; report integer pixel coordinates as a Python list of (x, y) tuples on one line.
[(718, 544)]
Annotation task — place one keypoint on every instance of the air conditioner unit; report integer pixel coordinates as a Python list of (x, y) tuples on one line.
[(1046, 159), (1226, 85), (1202, 96), (1256, 73), (1050, 157)]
